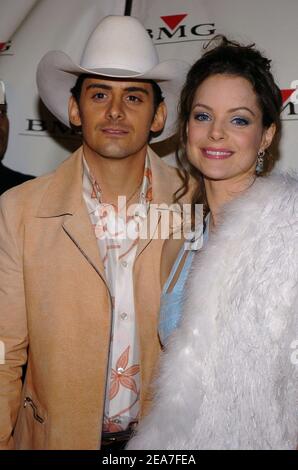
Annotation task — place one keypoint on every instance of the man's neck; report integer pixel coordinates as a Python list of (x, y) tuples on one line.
[(117, 177)]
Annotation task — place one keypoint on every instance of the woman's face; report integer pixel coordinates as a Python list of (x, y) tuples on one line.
[(225, 130)]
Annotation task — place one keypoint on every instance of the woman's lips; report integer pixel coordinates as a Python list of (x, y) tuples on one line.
[(216, 154)]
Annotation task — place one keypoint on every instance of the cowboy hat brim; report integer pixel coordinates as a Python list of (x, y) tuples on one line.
[(57, 74)]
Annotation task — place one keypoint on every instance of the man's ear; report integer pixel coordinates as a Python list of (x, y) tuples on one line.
[(159, 118), (74, 112)]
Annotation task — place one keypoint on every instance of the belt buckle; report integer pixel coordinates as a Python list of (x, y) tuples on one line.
[(120, 436)]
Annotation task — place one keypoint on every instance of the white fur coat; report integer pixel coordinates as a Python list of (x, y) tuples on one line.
[(228, 379)]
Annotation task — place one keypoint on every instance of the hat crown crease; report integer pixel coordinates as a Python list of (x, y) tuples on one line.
[(135, 52)]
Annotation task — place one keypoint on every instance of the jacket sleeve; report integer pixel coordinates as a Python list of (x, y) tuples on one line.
[(13, 322)]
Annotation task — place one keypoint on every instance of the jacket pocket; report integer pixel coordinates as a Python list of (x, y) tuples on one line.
[(31, 427), (28, 402)]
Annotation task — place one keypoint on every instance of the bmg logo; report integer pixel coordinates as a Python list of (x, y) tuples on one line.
[(177, 32), (294, 96), (289, 110), (5, 46)]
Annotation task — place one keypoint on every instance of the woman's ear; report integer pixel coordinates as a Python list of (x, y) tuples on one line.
[(268, 135)]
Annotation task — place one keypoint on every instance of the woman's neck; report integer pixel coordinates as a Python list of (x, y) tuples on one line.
[(220, 192)]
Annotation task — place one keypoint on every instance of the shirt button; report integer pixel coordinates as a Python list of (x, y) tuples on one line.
[(120, 370), (124, 264), (123, 316)]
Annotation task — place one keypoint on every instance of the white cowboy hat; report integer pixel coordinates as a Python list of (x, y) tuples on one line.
[(119, 47)]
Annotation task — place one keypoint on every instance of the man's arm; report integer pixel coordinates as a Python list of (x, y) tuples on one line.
[(13, 321)]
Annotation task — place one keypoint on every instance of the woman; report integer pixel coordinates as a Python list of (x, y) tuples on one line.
[(228, 377)]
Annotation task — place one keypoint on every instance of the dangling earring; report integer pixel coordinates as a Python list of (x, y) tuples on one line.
[(260, 162)]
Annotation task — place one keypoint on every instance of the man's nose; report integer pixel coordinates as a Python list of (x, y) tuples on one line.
[(115, 110)]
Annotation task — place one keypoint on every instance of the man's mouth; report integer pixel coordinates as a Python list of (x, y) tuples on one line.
[(114, 131)]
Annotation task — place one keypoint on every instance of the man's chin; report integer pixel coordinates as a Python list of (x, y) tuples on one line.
[(114, 152), (117, 153)]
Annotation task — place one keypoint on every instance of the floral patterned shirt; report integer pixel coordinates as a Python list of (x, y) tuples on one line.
[(117, 238)]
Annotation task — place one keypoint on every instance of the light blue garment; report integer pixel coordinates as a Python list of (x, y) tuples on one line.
[(171, 302)]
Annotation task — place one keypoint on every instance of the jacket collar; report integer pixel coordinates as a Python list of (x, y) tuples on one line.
[(64, 197), (163, 185), (64, 194)]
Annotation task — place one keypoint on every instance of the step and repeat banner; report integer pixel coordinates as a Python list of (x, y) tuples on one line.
[(37, 141), (12, 14), (179, 28)]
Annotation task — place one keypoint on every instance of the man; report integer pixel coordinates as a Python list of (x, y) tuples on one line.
[(8, 177), (83, 299)]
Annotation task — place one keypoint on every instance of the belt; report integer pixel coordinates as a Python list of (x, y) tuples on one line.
[(113, 438)]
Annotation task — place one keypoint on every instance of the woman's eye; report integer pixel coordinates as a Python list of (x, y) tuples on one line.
[(202, 117), (239, 121)]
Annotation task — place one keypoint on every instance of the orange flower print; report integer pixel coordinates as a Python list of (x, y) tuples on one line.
[(149, 194), (109, 425), (96, 191), (148, 174), (123, 376)]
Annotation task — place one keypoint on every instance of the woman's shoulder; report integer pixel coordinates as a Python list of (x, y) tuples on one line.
[(170, 251), (279, 185), (271, 197)]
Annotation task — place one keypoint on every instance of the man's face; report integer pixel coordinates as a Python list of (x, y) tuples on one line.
[(4, 128), (116, 116)]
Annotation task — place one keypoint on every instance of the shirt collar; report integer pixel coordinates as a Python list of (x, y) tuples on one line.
[(92, 192)]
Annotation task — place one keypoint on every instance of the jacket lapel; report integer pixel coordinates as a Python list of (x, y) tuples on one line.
[(80, 231), (163, 188), (63, 198)]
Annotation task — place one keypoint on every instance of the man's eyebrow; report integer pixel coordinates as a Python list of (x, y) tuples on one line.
[(136, 88), (130, 89), (232, 110), (98, 85)]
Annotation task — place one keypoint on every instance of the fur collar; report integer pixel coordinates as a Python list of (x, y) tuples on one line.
[(228, 379)]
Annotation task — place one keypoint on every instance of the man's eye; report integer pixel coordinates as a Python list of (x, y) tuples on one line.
[(99, 96), (202, 117), (134, 99), (239, 121)]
